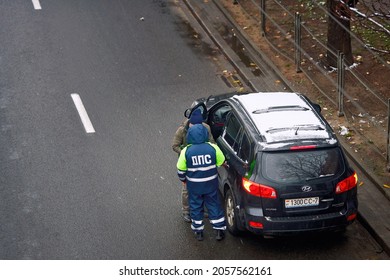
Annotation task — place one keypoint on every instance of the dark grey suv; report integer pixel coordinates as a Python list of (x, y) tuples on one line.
[(285, 170)]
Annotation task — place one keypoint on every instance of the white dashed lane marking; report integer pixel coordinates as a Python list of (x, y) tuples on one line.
[(37, 5), (83, 113)]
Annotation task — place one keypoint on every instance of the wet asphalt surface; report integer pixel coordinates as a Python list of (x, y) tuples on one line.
[(113, 194)]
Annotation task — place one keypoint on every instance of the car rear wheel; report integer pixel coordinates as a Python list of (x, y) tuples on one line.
[(231, 216)]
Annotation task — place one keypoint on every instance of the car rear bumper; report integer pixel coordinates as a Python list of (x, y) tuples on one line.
[(274, 226)]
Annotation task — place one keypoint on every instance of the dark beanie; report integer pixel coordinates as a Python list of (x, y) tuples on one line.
[(196, 117)]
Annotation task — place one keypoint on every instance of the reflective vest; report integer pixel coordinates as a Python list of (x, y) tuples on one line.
[(197, 166)]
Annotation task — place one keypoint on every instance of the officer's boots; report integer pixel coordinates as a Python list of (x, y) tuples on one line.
[(199, 235), (220, 235)]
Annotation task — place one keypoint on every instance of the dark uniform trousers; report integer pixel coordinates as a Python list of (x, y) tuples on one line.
[(213, 204)]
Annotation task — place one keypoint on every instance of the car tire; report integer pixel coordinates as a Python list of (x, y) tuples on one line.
[(231, 215)]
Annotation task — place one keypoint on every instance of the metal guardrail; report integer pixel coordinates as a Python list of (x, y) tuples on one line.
[(345, 87)]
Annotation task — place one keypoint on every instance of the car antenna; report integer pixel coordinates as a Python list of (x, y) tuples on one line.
[(296, 131)]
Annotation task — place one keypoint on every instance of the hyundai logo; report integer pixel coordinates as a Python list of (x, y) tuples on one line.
[(306, 188)]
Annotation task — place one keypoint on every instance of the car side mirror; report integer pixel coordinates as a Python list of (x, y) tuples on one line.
[(187, 113)]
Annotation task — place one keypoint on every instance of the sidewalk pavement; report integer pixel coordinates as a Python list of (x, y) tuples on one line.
[(374, 199)]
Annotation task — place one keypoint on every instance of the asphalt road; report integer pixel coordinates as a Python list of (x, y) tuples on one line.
[(112, 194)]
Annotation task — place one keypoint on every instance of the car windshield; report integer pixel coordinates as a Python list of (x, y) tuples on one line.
[(301, 166)]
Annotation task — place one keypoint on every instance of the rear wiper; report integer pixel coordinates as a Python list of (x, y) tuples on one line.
[(319, 177)]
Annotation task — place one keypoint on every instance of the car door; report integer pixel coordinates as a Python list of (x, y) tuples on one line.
[(230, 144)]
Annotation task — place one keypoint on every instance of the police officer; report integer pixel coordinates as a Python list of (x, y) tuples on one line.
[(178, 143), (197, 167)]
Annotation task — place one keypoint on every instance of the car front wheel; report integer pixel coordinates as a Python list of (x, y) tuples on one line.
[(231, 216)]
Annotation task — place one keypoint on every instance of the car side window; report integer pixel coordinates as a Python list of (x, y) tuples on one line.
[(217, 120), (219, 116), (232, 132), (245, 148)]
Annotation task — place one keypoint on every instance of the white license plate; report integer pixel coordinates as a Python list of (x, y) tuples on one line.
[(302, 202)]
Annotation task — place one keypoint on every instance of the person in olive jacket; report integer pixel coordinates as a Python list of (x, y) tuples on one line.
[(197, 168), (178, 143)]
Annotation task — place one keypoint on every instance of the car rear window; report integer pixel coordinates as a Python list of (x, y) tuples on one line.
[(298, 166)]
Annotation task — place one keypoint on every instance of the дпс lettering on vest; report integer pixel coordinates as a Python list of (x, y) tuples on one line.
[(201, 159)]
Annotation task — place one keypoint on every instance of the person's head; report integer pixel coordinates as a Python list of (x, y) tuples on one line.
[(196, 117), (197, 134)]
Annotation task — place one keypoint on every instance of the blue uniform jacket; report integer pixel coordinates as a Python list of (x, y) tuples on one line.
[(198, 162)]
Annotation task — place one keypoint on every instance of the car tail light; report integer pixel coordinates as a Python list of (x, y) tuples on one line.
[(258, 189), (347, 184), (256, 224), (351, 217)]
